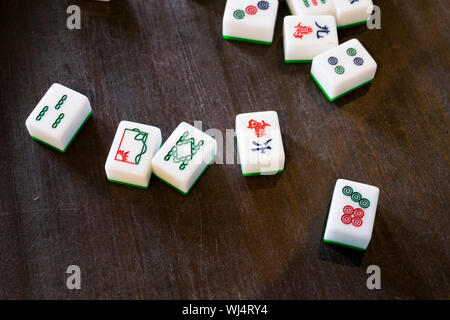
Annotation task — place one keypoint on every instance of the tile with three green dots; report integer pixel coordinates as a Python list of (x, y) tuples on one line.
[(352, 214), (58, 117)]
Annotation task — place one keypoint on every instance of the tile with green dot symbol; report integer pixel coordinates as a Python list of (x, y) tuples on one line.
[(58, 117), (250, 20), (184, 157), (351, 216), (129, 161), (343, 69)]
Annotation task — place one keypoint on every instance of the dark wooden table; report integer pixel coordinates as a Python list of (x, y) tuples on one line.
[(163, 62)]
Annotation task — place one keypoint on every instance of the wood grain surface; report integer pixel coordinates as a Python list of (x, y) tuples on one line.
[(163, 62)]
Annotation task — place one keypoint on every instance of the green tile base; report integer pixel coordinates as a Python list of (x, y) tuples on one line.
[(352, 25), (298, 61), (71, 140), (268, 173), (345, 93), (247, 40), (128, 184), (201, 173), (343, 245)]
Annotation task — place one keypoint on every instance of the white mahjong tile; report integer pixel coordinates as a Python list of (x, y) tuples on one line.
[(58, 117), (304, 37), (352, 214), (184, 156), (343, 69), (259, 142), (130, 157), (352, 12), (311, 7), (250, 20)]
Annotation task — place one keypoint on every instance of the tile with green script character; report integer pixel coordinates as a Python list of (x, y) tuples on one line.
[(352, 12), (129, 160), (259, 142), (352, 214), (250, 20), (343, 69), (184, 156), (311, 7), (58, 117), (305, 36)]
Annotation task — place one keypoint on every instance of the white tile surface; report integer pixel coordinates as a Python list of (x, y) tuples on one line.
[(304, 36), (130, 157), (352, 214), (58, 117), (348, 12), (311, 7), (184, 156), (259, 142), (250, 19), (343, 68)]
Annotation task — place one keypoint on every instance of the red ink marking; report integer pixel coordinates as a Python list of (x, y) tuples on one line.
[(122, 155), (302, 31), (260, 127), (353, 216), (251, 10)]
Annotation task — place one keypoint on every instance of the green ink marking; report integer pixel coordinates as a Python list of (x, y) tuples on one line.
[(57, 121), (61, 102), (364, 203), (339, 70), (351, 52), (347, 190), (239, 14), (356, 196), (140, 136), (184, 143), (42, 113)]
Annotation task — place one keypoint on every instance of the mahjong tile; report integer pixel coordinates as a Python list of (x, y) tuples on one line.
[(351, 13), (304, 37), (250, 20), (352, 214), (343, 69), (259, 142), (311, 7), (58, 117), (130, 157), (184, 156)]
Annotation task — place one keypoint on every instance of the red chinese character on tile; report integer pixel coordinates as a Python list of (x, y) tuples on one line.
[(259, 127), (302, 31)]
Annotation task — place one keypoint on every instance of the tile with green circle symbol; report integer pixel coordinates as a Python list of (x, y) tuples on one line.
[(351, 215), (351, 13), (343, 69), (184, 157), (250, 20), (58, 117), (130, 157)]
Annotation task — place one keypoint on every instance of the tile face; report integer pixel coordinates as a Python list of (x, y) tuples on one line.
[(311, 7), (343, 69), (304, 37), (58, 117), (259, 143), (352, 214), (352, 12), (184, 156), (250, 20), (130, 157)]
